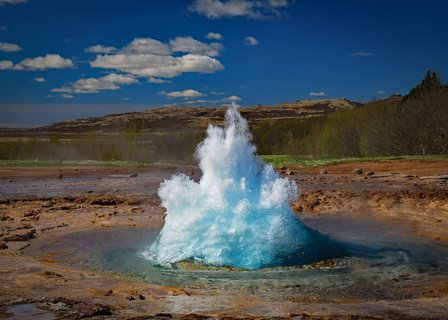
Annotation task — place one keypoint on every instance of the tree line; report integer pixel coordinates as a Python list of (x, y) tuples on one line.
[(417, 124)]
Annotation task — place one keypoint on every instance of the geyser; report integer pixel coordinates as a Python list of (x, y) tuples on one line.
[(238, 214)]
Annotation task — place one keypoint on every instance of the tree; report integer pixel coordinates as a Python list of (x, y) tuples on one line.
[(431, 83)]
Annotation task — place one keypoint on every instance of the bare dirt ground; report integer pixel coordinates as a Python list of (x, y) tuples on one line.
[(411, 193), (38, 206)]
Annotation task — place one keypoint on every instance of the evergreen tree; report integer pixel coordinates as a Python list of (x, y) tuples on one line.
[(430, 84)]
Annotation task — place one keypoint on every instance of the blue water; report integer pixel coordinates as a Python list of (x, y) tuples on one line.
[(238, 214)]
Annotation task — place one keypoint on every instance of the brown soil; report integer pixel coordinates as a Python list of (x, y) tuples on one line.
[(39, 205), (413, 167), (397, 191)]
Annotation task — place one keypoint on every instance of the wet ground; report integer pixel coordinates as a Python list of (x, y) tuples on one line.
[(71, 239)]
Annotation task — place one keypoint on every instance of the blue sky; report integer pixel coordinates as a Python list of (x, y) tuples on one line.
[(72, 59)]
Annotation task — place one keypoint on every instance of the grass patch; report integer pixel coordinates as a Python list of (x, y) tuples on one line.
[(308, 162), (276, 160), (87, 163)]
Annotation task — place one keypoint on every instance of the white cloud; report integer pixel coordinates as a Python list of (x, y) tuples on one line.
[(67, 96), (39, 79), (232, 99), (151, 65), (5, 2), (198, 101), (100, 49), (9, 47), (361, 54), (188, 93), (381, 92), (147, 45), (49, 61), (157, 80), (278, 3), (218, 92), (126, 98), (48, 96), (199, 63), (3, 29), (6, 65), (214, 36), (317, 94), (251, 41), (148, 58), (190, 45), (152, 59), (111, 81), (214, 9), (193, 100), (225, 101)]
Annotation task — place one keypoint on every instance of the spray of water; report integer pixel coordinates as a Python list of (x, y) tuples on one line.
[(237, 215)]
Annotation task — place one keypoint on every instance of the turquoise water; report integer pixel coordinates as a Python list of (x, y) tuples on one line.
[(393, 266), (237, 214)]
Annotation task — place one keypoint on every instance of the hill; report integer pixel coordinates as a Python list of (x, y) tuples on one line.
[(168, 134), (194, 118)]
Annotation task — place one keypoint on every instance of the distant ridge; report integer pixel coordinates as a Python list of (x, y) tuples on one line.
[(192, 118)]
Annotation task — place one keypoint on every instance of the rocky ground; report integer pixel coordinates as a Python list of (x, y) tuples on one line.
[(40, 205), (410, 193)]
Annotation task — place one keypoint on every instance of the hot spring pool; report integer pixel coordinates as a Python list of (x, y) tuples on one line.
[(381, 262)]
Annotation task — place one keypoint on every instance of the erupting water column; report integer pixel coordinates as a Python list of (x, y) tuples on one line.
[(238, 214)]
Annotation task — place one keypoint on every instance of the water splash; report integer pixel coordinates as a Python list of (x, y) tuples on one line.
[(238, 214)]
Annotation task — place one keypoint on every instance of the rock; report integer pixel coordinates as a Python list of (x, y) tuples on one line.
[(61, 304), (50, 274), (62, 225), (3, 245), (370, 173), (282, 168), (195, 316), (101, 311), (163, 315), (141, 297), (25, 226), (104, 201), (134, 175), (33, 218), (323, 171), (289, 172), (130, 298), (60, 176), (358, 171), (63, 300), (31, 214), (109, 293), (441, 177), (6, 218), (48, 204), (22, 236)]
